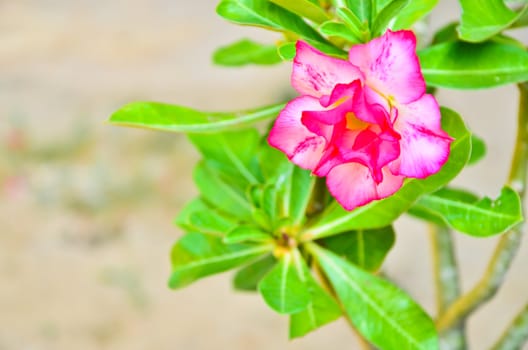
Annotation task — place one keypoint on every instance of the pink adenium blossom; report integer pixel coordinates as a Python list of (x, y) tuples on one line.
[(366, 123)]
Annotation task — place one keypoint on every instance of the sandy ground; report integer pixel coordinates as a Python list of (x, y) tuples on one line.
[(86, 208)]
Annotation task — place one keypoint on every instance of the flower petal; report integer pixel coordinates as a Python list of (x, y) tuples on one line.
[(390, 65), (340, 93), (316, 74), (352, 185), (289, 135), (424, 145)]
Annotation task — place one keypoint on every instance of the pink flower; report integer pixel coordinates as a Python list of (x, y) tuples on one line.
[(366, 123)]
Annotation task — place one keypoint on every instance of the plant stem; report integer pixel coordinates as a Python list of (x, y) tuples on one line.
[(445, 269), (447, 282), (509, 243), (516, 334)]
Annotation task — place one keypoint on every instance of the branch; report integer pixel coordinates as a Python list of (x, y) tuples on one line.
[(508, 243), (447, 282), (516, 334)]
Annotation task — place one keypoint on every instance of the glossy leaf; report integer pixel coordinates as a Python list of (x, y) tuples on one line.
[(359, 29), (283, 289), (300, 189), (197, 255), (386, 15), (233, 153), (330, 50), (421, 212), (244, 233), (270, 202), (219, 191), (478, 149), (322, 308), (248, 277), (414, 11), (262, 219), (304, 8), (364, 248), (507, 40), (460, 65), (446, 33), (200, 217), (361, 9), (382, 213), (263, 13), (339, 30), (293, 185), (381, 312), (476, 217), (482, 19), (174, 118), (287, 51), (273, 164), (244, 52)]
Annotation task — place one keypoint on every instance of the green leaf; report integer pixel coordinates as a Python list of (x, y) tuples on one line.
[(410, 14), (287, 51), (273, 164), (382, 213), (173, 118), (198, 255), (219, 191), (264, 201), (270, 205), (449, 33), (364, 248), (423, 213), (232, 152), (263, 13), (248, 277), (478, 149), (292, 184), (482, 19), (198, 216), (381, 312), (361, 9), (330, 50), (446, 34), (246, 233), (321, 310), (300, 187), (359, 29), (340, 30), (460, 65), (507, 40), (386, 15), (283, 289), (304, 8), (384, 11), (476, 217), (245, 52)]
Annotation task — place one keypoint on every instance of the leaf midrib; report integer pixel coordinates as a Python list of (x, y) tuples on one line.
[(220, 258), (206, 127), (256, 14), (371, 302), (467, 207), (467, 72)]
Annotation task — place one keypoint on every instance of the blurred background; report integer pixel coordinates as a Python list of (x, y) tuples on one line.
[(86, 208)]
